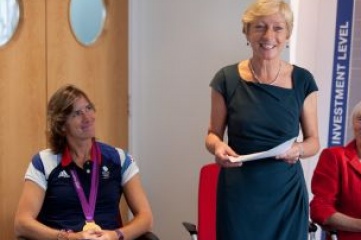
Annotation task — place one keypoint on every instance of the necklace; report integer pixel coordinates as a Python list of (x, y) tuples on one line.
[(257, 78)]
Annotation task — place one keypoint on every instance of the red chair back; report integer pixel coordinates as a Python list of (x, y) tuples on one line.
[(207, 190)]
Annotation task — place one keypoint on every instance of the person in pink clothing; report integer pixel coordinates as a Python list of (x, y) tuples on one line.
[(336, 186)]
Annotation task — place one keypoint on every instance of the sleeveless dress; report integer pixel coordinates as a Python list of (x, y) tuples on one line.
[(265, 199)]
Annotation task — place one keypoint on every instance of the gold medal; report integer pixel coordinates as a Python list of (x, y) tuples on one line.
[(91, 226)]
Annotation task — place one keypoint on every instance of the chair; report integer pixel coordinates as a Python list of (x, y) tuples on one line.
[(207, 188), (148, 236), (312, 229)]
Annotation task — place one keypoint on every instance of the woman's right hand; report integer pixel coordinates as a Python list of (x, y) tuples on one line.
[(222, 153)]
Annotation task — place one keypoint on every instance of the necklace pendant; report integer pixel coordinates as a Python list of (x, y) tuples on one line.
[(258, 80)]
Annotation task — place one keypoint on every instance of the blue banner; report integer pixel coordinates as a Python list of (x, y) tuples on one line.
[(340, 73)]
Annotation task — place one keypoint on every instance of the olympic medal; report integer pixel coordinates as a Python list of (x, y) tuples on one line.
[(91, 226)]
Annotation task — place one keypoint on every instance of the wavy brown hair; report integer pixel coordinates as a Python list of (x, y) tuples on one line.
[(59, 108)]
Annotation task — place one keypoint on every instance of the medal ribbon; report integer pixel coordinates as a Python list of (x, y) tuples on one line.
[(88, 206)]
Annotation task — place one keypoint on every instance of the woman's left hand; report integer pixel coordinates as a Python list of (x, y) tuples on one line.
[(292, 155)]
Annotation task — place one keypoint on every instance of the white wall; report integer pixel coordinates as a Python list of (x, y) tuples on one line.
[(176, 48), (313, 49)]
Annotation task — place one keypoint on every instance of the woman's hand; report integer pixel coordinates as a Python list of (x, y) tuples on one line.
[(94, 235), (88, 234), (293, 154), (222, 153)]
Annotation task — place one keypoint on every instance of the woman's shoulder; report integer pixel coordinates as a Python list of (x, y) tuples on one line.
[(298, 71), (232, 66), (112, 152), (46, 156), (334, 150), (225, 76), (105, 146), (230, 69), (42, 165), (340, 153), (303, 80)]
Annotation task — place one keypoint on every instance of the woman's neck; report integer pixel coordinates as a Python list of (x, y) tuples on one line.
[(80, 152), (266, 72)]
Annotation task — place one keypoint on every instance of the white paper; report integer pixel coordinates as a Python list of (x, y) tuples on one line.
[(282, 148)]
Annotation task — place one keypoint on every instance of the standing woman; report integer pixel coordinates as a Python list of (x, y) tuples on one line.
[(73, 189), (263, 101)]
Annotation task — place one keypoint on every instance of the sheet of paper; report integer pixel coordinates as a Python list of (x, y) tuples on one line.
[(282, 148)]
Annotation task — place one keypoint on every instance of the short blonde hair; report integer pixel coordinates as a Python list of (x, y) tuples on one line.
[(262, 8), (356, 111)]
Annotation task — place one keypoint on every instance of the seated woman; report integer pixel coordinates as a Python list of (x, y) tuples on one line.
[(336, 185), (73, 190)]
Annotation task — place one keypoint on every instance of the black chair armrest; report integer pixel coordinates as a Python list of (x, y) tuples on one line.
[(148, 236), (312, 227), (191, 228)]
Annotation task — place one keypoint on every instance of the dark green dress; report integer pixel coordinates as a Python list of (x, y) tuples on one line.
[(265, 199)]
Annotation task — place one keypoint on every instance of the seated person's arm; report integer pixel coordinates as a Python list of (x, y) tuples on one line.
[(26, 224), (343, 222), (29, 207), (138, 203)]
